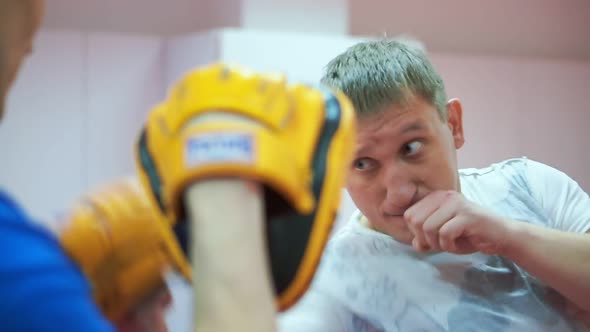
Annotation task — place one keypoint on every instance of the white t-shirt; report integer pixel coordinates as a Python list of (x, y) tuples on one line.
[(367, 281)]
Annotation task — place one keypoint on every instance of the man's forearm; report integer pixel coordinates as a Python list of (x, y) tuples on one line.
[(560, 259), (231, 279)]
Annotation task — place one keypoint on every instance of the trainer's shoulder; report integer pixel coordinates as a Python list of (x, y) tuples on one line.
[(10, 211), (29, 245)]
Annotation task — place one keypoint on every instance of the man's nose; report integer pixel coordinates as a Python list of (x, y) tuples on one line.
[(400, 191)]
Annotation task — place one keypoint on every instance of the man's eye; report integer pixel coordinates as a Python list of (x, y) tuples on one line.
[(362, 164), (412, 148)]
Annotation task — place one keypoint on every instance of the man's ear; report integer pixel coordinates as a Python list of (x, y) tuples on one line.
[(455, 121)]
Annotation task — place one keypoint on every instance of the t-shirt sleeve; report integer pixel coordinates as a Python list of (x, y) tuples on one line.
[(565, 203), (42, 289)]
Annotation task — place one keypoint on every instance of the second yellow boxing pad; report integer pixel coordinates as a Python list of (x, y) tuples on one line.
[(297, 140), (122, 244)]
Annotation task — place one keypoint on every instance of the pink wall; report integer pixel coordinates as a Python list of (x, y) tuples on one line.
[(517, 107), (41, 136), (125, 80), (74, 113)]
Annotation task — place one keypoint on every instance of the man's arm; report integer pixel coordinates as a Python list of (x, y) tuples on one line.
[(560, 255), (560, 259), (231, 268), (232, 287)]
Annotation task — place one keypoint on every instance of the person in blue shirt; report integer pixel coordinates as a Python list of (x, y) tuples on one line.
[(42, 288)]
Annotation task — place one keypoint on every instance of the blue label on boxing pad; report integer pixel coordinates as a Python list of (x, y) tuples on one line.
[(219, 147)]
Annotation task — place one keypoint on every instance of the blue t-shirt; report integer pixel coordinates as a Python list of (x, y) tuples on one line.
[(41, 289)]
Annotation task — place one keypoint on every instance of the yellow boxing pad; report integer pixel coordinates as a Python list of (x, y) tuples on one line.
[(123, 246), (297, 140)]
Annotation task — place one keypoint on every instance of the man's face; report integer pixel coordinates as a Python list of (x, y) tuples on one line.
[(402, 154), (18, 26)]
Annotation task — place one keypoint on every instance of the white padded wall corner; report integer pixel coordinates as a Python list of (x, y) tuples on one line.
[(187, 52), (41, 140), (125, 76), (299, 55)]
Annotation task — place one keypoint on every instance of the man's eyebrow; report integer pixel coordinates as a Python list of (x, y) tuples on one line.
[(414, 126)]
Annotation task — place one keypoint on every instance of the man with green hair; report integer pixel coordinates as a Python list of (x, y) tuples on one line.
[(432, 247)]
